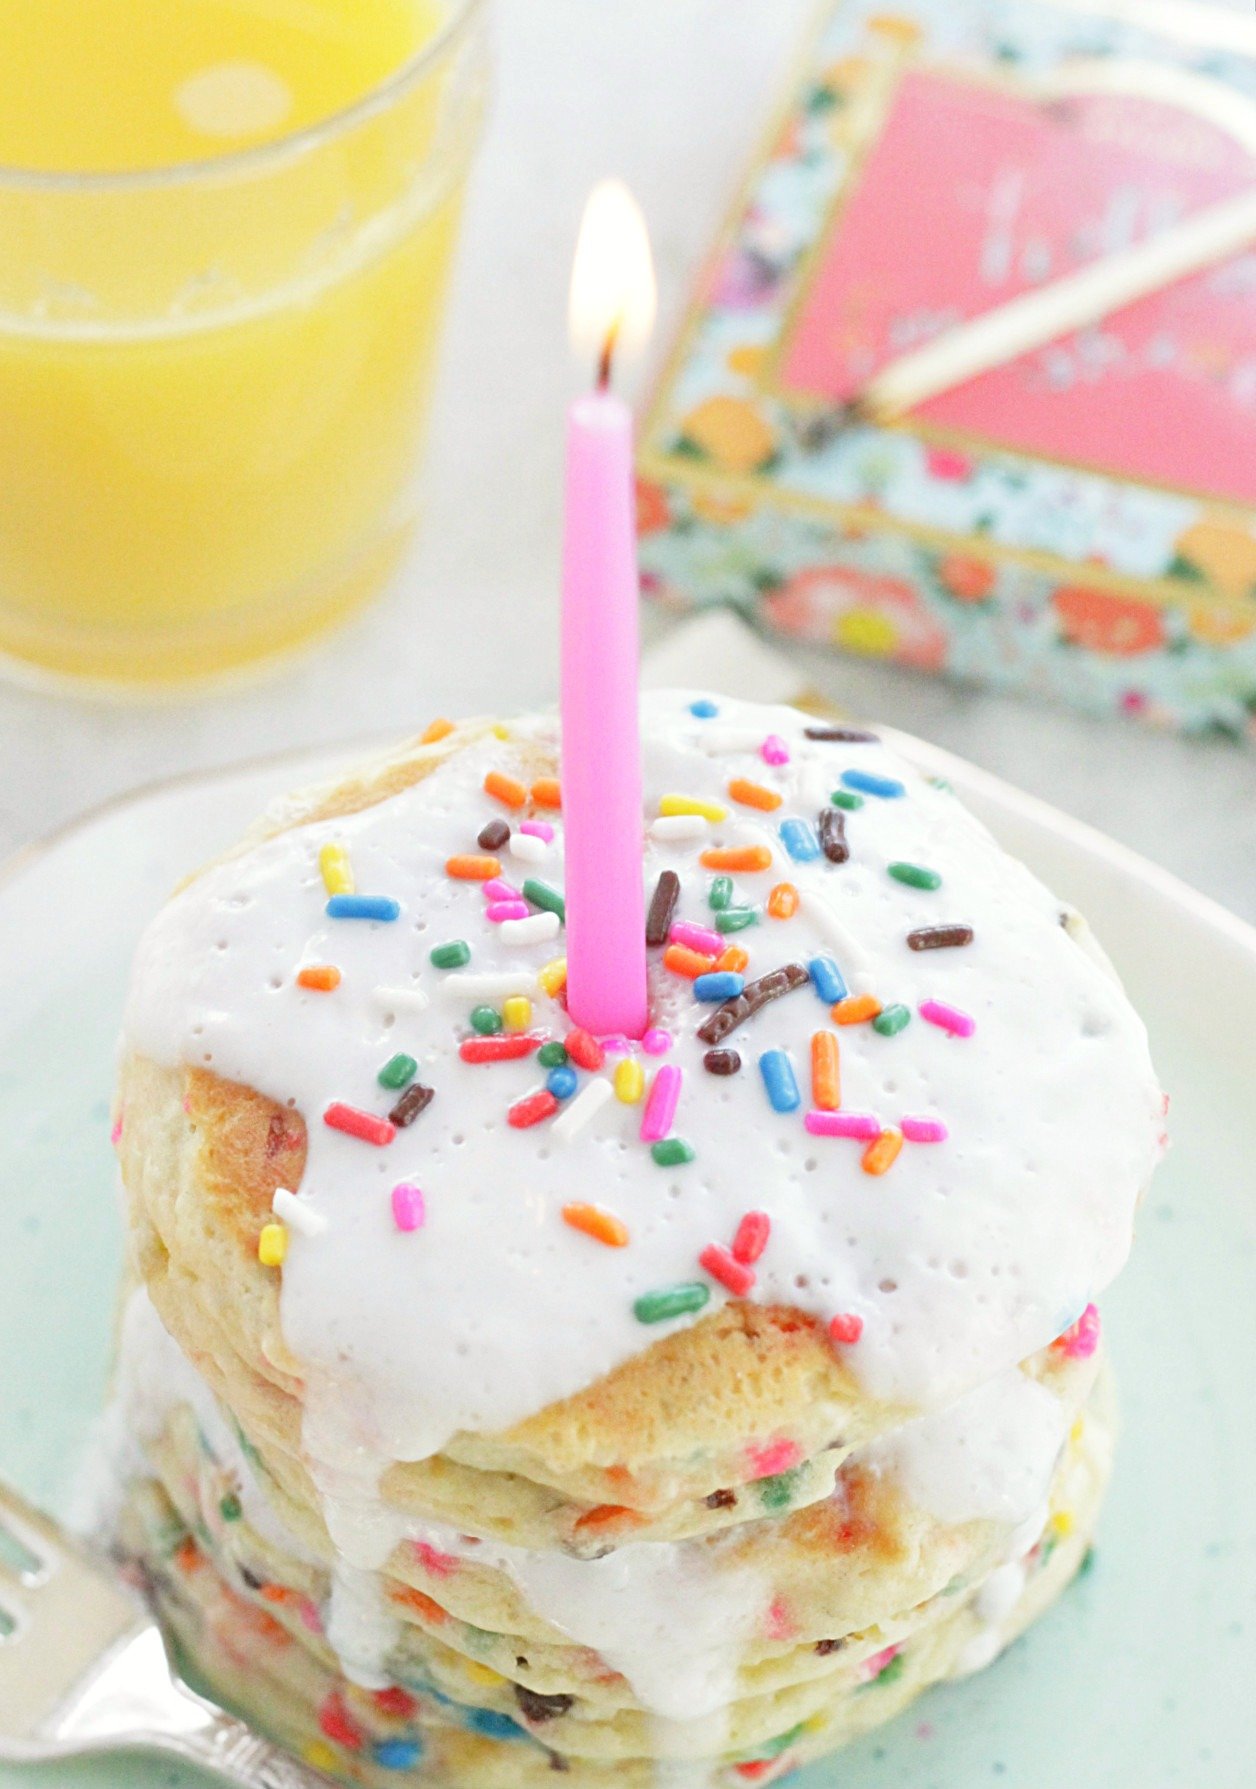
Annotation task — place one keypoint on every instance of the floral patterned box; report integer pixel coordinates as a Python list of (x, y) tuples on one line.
[(1080, 522)]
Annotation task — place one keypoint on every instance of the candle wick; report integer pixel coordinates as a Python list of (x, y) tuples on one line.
[(606, 359)]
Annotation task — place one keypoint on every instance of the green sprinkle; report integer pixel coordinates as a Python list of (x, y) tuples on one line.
[(671, 1301), (542, 895), (229, 1509), (671, 1152), (736, 919), (720, 893), (484, 1020), (783, 1741), (894, 1670), (915, 875), (450, 956), (891, 1020), (552, 1055), (778, 1492), (846, 798), (398, 1072), (1088, 1563)]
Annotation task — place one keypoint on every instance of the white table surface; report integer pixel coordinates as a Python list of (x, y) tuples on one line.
[(671, 94)]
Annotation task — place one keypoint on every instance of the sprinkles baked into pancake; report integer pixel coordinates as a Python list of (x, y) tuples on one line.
[(672, 1348)]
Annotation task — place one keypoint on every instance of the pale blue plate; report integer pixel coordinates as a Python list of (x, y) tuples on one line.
[(1143, 1677)]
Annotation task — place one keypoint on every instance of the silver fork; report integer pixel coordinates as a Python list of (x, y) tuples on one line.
[(83, 1667)]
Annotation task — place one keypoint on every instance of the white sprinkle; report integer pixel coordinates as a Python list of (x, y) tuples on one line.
[(528, 846), (489, 987), (296, 1213), (679, 826), (402, 1000), (534, 929), (586, 1105)]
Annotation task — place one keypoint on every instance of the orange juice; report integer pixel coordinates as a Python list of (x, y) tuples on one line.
[(225, 230)]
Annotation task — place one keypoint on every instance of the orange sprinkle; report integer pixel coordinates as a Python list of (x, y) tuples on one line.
[(420, 1602), (438, 730), (855, 1009), (608, 1515), (278, 1593), (689, 963), (601, 1225), (473, 869), (321, 976), (737, 857), (507, 789), (783, 901), (547, 792), (188, 1556), (883, 1152), (826, 1072), (753, 795), (735, 959)]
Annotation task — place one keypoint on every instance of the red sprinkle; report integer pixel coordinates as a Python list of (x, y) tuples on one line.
[(537, 1106), (773, 1458), (735, 1275), (499, 1049), (1080, 1340), (438, 1564), (355, 1123), (752, 1237), (396, 1703), (846, 1329), (584, 1049), (339, 1725)]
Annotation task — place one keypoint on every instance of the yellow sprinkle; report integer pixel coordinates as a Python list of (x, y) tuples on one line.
[(629, 1081), (333, 861), (689, 804), (320, 1756), (272, 1245), (1063, 1522), (517, 1012), (553, 977), (481, 1674), (816, 1723), (500, 731), (1077, 1431)]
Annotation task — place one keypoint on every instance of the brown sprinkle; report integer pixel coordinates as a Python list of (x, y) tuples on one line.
[(845, 735), (721, 1062), (940, 937), (662, 909), (832, 825), (538, 1708), (825, 1647), (753, 997), (414, 1100), (493, 836), (722, 1500)]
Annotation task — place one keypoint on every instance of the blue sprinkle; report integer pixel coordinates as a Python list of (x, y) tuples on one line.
[(827, 980), (397, 1754), (494, 1725), (561, 1081), (721, 984), (704, 709), (779, 1079), (887, 787), (800, 840), (363, 907)]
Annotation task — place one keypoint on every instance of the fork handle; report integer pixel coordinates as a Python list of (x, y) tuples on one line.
[(232, 1750)]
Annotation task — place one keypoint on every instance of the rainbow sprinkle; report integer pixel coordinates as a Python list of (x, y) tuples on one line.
[(660, 1106), (684, 1300), (408, 1209), (861, 1125), (779, 1080), (354, 906), (947, 1018)]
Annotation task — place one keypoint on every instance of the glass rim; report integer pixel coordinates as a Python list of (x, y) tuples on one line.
[(242, 162)]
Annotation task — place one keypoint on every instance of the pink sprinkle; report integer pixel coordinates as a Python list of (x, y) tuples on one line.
[(874, 1666), (115, 1135), (711, 944), (846, 1328), (440, 1565), (843, 1124), (498, 912), (924, 1130), (540, 829), (408, 1209), (780, 1623), (616, 1044), (947, 1018), (660, 1105), (774, 750), (752, 1237), (1080, 1341), (773, 1458), (731, 1273), (656, 1042), (308, 1610), (498, 889)]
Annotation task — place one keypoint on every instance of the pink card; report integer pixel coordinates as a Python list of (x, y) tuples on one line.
[(974, 193)]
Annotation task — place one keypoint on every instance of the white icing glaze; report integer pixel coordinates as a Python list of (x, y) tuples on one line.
[(966, 1257), (989, 1456)]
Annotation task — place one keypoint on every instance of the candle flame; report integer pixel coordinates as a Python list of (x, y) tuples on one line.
[(613, 293)]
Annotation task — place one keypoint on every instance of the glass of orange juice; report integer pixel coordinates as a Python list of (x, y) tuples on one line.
[(225, 234)]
